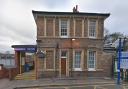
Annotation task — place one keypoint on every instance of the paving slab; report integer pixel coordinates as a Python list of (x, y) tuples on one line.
[(54, 83)]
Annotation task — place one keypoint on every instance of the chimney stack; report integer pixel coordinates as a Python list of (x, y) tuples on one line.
[(75, 9)]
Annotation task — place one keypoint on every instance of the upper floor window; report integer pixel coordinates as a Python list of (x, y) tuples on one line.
[(92, 28), (63, 28)]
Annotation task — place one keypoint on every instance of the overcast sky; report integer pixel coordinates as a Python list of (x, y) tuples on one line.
[(17, 24)]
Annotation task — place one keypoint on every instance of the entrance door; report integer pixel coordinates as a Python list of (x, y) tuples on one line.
[(63, 66), (63, 62)]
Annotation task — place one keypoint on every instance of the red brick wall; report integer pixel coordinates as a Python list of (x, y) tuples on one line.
[(4, 73), (78, 30), (40, 26), (49, 27), (8, 73), (49, 59)]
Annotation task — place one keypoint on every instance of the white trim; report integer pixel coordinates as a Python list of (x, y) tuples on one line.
[(92, 37), (61, 52), (77, 69), (63, 57), (97, 27), (45, 21), (68, 28), (83, 28), (67, 62), (74, 27), (91, 69), (54, 21)]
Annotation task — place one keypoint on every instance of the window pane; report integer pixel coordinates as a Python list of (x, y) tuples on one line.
[(64, 27), (63, 53), (92, 28), (77, 60), (91, 59)]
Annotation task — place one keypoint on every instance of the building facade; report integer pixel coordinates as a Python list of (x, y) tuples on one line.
[(72, 43), (7, 60)]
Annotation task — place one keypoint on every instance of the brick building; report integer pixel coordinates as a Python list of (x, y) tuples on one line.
[(73, 44)]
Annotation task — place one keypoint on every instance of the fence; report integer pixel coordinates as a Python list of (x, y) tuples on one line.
[(123, 72)]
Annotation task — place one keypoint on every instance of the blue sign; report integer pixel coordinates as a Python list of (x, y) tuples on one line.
[(26, 49), (124, 60)]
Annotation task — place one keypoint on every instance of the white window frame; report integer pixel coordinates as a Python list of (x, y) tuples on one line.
[(74, 68), (93, 37), (68, 24), (61, 54), (91, 69)]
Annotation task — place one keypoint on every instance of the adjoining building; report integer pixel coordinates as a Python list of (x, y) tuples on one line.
[(7, 63), (7, 59), (25, 61), (73, 44)]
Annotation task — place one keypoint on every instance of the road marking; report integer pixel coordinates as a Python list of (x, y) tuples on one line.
[(101, 87), (95, 87)]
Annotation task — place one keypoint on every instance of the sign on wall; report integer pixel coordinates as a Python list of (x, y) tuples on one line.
[(124, 60), (26, 49)]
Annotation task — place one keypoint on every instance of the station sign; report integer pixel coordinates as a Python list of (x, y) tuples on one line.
[(26, 49)]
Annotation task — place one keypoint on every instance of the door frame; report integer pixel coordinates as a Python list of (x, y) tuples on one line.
[(67, 62)]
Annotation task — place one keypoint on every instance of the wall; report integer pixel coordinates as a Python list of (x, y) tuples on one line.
[(78, 26), (48, 33), (8, 73)]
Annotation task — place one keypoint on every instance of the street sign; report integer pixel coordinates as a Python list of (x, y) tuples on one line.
[(124, 60), (30, 49)]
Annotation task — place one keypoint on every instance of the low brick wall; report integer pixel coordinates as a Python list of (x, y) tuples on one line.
[(8, 72), (4, 73), (12, 73)]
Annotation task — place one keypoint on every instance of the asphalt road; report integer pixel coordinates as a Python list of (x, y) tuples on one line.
[(103, 86)]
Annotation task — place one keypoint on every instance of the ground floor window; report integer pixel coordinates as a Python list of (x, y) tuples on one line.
[(91, 60), (77, 60)]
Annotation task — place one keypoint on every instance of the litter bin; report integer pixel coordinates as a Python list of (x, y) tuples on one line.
[(26, 67)]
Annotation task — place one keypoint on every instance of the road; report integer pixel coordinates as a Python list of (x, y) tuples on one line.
[(103, 86)]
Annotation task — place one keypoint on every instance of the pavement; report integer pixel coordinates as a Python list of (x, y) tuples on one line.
[(57, 83)]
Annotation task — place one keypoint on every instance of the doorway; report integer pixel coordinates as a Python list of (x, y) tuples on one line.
[(63, 62), (63, 66)]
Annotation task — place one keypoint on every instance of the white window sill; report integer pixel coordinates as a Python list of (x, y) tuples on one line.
[(92, 37), (63, 57), (64, 36), (91, 69), (77, 69)]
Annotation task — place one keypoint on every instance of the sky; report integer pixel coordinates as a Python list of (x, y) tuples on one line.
[(17, 25)]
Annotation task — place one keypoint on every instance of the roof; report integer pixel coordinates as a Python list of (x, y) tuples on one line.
[(71, 13), (23, 46)]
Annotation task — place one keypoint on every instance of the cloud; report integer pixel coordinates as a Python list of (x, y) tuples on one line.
[(17, 25)]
